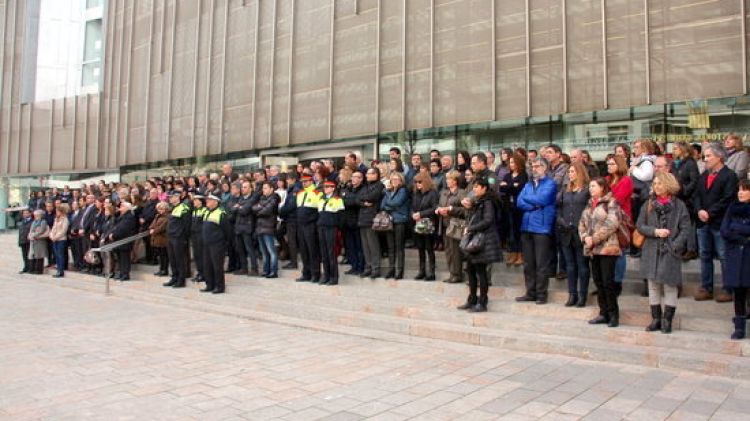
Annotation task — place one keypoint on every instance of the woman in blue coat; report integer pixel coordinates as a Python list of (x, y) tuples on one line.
[(735, 229), (396, 202)]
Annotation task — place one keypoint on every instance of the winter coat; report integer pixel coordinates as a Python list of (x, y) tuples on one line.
[(38, 234), (288, 209), (372, 193), (244, 222), (425, 203), (735, 229), (738, 161), (570, 207), (350, 196), (642, 176), (622, 191), (59, 231), (266, 211), (397, 204), (512, 188), (601, 223), (482, 219), (448, 198), (686, 172), (661, 258), (125, 226), (717, 199), (159, 225), (23, 230), (537, 201)]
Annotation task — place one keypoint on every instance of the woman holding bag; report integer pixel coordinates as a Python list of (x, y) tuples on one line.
[(423, 206), (570, 205), (396, 203), (453, 216), (664, 221), (480, 222)]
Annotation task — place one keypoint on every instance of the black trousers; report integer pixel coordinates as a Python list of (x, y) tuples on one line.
[(478, 277), (196, 243), (740, 301), (370, 249), (160, 253), (310, 251), (537, 250), (123, 262), (213, 265), (291, 239), (425, 245), (177, 250), (25, 257), (603, 272), (353, 244), (75, 250), (327, 241), (247, 246), (396, 251)]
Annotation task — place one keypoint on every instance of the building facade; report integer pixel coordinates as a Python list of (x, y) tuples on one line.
[(190, 82)]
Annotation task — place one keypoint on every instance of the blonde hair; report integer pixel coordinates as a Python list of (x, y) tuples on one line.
[(425, 179), (583, 176), (668, 181)]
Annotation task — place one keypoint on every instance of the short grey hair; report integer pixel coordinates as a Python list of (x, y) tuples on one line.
[(717, 149), (539, 160)]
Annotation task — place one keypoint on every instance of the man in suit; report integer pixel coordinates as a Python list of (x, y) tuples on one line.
[(717, 188)]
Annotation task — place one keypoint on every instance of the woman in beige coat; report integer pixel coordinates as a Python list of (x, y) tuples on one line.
[(598, 228), (59, 237)]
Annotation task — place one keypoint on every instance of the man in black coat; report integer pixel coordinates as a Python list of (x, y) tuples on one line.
[(178, 235), (244, 229), (288, 213), (24, 226), (217, 233), (148, 213), (125, 227), (716, 190), (352, 237)]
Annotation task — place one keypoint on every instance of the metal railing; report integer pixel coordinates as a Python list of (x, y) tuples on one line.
[(106, 248)]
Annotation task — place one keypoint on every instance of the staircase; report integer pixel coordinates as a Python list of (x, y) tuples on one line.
[(417, 309)]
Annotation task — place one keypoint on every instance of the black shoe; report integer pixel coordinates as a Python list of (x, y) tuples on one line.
[(419, 276), (264, 275), (179, 285), (655, 319), (390, 274), (581, 301), (253, 272), (614, 320), (572, 300), (290, 266), (478, 308), (666, 322), (170, 283), (124, 278), (365, 274), (302, 279), (315, 280), (375, 274), (160, 273), (272, 275), (471, 301), (323, 282), (399, 275), (429, 278), (217, 291), (541, 301), (599, 320), (58, 275), (561, 276), (525, 298), (206, 289), (333, 282), (21, 272), (351, 271)]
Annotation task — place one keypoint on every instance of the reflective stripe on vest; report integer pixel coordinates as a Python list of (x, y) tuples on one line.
[(179, 210), (214, 216)]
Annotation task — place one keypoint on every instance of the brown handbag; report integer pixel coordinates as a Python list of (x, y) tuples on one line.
[(638, 239)]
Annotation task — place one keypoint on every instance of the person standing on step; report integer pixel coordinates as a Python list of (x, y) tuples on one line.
[(196, 234), (396, 202), (571, 203), (353, 238), (307, 216), (58, 235), (217, 234), (598, 231), (126, 225), (244, 229), (665, 222), (38, 238), (158, 238), (735, 230), (24, 227), (178, 233), (266, 212), (288, 213), (537, 201), (451, 212), (330, 209), (423, 204), (369, 203), (510, 187), (717, 189), (481, 220), (621, 186)]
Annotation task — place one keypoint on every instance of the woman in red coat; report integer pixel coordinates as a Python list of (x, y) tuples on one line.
[(621, 186)]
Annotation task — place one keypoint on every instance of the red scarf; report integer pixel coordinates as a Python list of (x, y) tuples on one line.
[(710, 179)]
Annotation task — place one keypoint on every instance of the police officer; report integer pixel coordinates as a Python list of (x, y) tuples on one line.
[(196, 235), (330, 211), (178, 234), (307, 216), (217, 233)]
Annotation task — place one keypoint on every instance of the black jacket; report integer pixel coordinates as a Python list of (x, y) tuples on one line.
[(717, 199), (178, 227), (244, 222), (288, 211), (687, 174), (266, 211), (425, 203), (350, 195), (24, 226), (125, 226), (371, 193), (570, 206), (217, 230), (148, 212), (482, 219)]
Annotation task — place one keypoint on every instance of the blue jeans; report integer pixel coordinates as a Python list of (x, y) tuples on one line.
[(577, 269), (60, 248), (270, 257), (710, 245), (620, 267)]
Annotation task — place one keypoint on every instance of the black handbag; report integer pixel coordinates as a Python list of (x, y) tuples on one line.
[(472, 244), (383, 221)]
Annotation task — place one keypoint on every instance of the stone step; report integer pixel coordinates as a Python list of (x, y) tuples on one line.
[(642, 351)]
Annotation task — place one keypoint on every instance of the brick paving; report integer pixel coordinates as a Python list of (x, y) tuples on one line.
[(71, 354)]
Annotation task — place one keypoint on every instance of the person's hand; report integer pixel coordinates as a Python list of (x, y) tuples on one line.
[(661, 232), (503, 183), (151, 231), (589, 242), (143, 221), (415, 216), (703, 215), (92, 237), (111, 237), (80, 232)]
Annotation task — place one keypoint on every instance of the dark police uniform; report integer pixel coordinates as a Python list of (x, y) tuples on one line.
[(217, 234), (196, 240), (330, 211), (178, 233), (307, 237)]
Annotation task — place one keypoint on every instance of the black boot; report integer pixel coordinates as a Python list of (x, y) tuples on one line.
[(170, 283), (480, 307), (471, 301), (655, 319), (581, 300), (739, 327), (391, 273), (614, 320), (421, 274), (572, 300), (666, 322), (598, 320), (431, 274)]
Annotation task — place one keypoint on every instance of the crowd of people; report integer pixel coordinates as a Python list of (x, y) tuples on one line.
[(553, 213)]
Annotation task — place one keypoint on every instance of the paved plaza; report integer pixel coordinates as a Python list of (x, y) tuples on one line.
[(72, 354)]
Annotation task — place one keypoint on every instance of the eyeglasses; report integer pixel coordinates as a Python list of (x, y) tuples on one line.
[(611, 163), (417, 182)]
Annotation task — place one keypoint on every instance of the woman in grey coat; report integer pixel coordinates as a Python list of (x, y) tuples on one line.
[(38, 236), (665, 222)]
